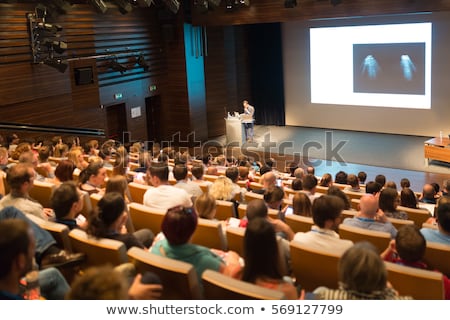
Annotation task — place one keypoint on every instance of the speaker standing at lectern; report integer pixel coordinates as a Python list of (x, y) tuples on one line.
[(247, 120)]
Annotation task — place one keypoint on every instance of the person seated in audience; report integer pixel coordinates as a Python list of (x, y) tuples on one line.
[(268, 181), (408, 198), (445, 187), (369, 217), (433, 220), (299, 173), (326, 214), (310, 170), (198, 171), (244, 175), (12, 141), (274, 200), (362, 276), (92, 179), (264, 169), (408, 249), (63, 172), (437, 189), (336, 191), (91, 147), (301, 205), (3, 161), (177, 228), (17, 252), (362, 176), (31, 158), (381, 179), (180, 173), (290, 168), (60, 150), (212, 170), (233, 174), (353, 183), (223, 189), (405, 183), (109, 219), (67, 204), (388, 202), (373, 188), (20, 180), (428, 194), (297, 184), (106, 283), (261, 258), (119, 184), (47, 253), (164, 196), (340, 177), (205, 206), (121, 163), (326, 180), (309, 186), (391, 184), (44, 166), (76, 155), (442, 234)]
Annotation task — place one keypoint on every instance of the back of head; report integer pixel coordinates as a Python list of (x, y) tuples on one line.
[(341, 177), (297, 184), (408, 198), (179, 225), (405, 183), (14, 240), (222, 188), (99, 283), (325, 208), (310, 170), (373, 187), (302, 204), (91, 170), (336, 191), (387, 200), (353, 180), (368, 205), (205, 205), (428, 191), (362, 270), (381, 179), (260, 251), (410, 243), (160, 170), (264, 169), (273, 194), (63, 198), (64, 170), (391, 184), (109, 209), (180, 172), (362, 176), (232, 173), (443, 216), (256, 208), (197, 171), (326, 180), (309, 182), (117, 184), (299, 173)]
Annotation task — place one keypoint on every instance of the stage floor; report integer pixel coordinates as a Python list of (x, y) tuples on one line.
[(329, 151)]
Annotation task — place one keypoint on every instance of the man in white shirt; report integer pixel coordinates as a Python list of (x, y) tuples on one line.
[(180, 173), (326, 211), (164, 196)]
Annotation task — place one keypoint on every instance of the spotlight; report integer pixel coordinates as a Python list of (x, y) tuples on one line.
[(116, 66), (56, 45), (56, 63), (229, 4), (141, 62), (99, 5), (124, 6), (172, 5), (290, 3), (49, 27)]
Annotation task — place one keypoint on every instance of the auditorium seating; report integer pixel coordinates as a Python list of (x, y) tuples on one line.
[(217, 286), (379, 239), (419, 216), (437, 256), (179, 279), (209, 233), (299, 223), (42, 192), (60, 232), (225, 209), (137, 191), (145, 217), (235, 239)]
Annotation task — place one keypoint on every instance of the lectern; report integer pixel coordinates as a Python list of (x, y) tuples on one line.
[(234, 131)]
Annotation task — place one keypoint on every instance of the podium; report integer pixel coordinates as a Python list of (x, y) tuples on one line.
[(235, 133)]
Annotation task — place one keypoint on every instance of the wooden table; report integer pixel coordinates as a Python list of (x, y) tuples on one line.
[(437, 149)]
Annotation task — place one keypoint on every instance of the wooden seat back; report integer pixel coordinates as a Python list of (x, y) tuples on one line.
[(379, 239), (144, 217), (209, 233)]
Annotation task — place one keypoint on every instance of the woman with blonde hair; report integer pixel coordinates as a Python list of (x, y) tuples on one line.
[(222, 189), (76, 155), (205, 205)]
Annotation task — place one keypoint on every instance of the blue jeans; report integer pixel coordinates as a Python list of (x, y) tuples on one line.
[(43, 238), (248, 130)]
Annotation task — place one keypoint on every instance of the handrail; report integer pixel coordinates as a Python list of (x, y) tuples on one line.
[(52, 129)]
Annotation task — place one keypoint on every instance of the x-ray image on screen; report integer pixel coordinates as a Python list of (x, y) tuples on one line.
[(397, 68)]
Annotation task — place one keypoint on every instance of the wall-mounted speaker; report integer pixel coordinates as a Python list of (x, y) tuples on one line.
[(83, 76)]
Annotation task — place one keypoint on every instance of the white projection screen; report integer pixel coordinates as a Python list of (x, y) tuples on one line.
[(376, 74)]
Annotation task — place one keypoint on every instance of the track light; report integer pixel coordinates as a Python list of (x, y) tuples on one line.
[(49, 27), (99, 6), (290, 3), (172, 5), (124, 6), (57, 46), (245, 3), (141, 62), (116, 66), (56, 63)]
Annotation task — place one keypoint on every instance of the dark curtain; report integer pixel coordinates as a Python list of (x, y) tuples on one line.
[(266, 69)]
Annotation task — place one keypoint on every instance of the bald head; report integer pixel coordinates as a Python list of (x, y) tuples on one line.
[(368, 205), (428, 191), (269, 179)]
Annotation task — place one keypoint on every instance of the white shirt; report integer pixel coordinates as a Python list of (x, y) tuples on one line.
[(165, 197), (192, 188), (323, 239)]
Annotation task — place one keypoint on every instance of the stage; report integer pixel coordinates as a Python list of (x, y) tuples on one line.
[(395, 156)]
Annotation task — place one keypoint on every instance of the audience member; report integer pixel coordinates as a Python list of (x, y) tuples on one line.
[(405, 183), (297, 184), (310, 170), (381, 179), (391, 184), (299, 173), (274, 199), (63, 172), (428, 194), (388, 202), (442, 234), (336, 191), (180, 173), (301, 205), (408, 198), (445, 187), (268, 181), (164, 196), (326, 214), (67, 204), (261, 259), (362, 176), (353, 183), (326, 180), (408, 249), (309, 186), (370, 218), (108, 221), (92, 178), (232, 173), (340, 177), (373, 188), (362, 276), (177, 228)]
